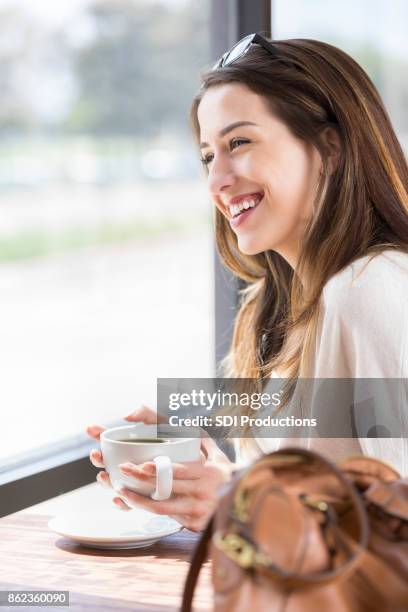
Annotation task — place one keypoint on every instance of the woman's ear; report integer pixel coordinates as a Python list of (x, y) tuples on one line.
[(331, 142)]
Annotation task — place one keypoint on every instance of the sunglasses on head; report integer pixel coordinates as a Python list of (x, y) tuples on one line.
[(242, 47)]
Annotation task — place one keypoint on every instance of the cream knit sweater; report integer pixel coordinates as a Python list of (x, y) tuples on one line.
[(362, 334)]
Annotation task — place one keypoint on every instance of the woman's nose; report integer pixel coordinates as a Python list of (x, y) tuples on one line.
[(220, 177)]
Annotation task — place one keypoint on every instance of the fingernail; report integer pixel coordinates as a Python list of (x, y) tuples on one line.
[(102, 482)]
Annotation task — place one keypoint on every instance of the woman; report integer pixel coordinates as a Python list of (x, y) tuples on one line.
[(310, 187)]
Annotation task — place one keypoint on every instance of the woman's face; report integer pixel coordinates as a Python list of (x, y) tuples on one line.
[(261, 178)]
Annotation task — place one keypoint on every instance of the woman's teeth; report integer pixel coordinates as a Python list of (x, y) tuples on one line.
[(236, 209)]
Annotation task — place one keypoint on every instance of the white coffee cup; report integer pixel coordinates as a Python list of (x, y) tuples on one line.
[(163, 453)]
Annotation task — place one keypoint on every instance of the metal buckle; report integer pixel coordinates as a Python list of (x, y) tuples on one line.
[(240, 508), (316, 504), (236, 548), (240, 551)]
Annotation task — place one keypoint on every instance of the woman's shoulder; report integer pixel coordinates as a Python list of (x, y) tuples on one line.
[(363, 327), (381, 277)]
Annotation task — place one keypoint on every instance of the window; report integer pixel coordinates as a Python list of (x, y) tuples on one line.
[(373, 32), (106, 250)]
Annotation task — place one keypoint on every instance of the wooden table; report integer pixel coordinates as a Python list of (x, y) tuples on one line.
[(151, 579)]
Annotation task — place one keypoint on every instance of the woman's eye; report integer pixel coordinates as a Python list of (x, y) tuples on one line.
[(207, 159), (238, 141), (233, 144)]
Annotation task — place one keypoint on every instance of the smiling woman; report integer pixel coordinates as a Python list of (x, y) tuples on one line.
[(310, 185)]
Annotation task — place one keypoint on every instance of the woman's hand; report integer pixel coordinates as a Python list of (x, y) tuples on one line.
[(195, 484)]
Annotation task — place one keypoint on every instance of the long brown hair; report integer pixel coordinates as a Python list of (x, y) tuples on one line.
[(361, 208)]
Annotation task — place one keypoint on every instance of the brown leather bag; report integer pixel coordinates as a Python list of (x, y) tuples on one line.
[(296, 533)]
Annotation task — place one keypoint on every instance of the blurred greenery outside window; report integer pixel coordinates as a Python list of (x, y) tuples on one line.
[(105, 227)]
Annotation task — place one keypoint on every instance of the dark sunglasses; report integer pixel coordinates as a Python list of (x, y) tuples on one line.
[(242, 47)]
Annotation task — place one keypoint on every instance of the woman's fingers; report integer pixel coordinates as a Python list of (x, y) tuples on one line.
[(95, 431), (212, 451), (136, 471), (103, 479), (181, 471), (147, 415), (178, 505), (96, 458), (121, 504), (194, 524), (143, 414), (189, 512), (190, 488), (180, 487)]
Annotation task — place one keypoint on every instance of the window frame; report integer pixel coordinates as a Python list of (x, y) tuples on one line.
[(230, 21)]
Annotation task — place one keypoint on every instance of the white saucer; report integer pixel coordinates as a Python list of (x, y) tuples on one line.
[(114, 529)]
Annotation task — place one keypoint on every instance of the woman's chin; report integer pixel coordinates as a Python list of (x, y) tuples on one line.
[(249, 247)]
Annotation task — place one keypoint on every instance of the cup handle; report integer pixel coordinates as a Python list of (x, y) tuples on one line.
[(164, 478)]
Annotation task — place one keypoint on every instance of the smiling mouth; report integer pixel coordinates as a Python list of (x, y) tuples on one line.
[(235, 210)]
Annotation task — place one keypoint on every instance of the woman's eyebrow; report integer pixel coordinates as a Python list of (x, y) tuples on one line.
[(227, 129)]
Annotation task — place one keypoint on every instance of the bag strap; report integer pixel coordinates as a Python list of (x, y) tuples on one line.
[(198, 558)]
